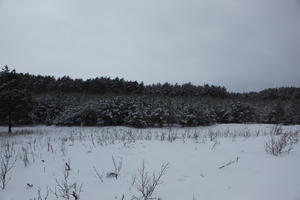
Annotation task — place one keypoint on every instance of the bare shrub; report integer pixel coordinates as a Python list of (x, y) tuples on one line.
[(130, 136), (17, 132), (279, 144), (276, 130), (24, 132), (146, 183), (24, 156), (246, 133), (98, 175), (67, 188), (7, 164), (212, 135), (172, 136), (258, 132), (49, 145), (133, 179), (196, 136), (93, 140), (216, 142), (148, 136), (162, 136), (117, 168)]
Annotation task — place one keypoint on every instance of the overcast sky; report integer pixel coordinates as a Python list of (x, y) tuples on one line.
[(244, 45)]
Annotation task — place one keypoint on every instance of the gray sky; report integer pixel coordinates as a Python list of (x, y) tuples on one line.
[(244, 45)]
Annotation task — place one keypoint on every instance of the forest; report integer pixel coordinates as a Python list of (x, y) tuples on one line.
[(36, 99)]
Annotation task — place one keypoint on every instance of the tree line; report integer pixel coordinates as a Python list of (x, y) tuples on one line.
[(104, 85), (32, 99), (38, 84)]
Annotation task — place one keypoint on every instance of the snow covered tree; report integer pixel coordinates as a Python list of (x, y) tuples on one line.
[(277, 114)]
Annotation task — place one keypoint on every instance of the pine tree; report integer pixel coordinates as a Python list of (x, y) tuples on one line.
[(15, 102)]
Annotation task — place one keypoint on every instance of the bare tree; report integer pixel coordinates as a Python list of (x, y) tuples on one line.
[(146, 183)]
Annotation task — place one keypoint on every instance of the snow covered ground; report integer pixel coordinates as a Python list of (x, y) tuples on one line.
[(196, 158)]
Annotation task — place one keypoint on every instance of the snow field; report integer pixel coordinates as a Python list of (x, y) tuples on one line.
[(217, 162)]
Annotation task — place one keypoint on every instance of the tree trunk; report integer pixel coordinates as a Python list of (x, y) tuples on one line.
[(9, 122)]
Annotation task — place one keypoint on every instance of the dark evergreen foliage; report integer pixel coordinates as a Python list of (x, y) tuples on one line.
[(15, 103), (104, 101), (46, 84)]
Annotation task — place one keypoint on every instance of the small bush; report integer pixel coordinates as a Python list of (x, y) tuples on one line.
[(117, 169), (279, 144), (147, 183), (7, 163), (66, 188)]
